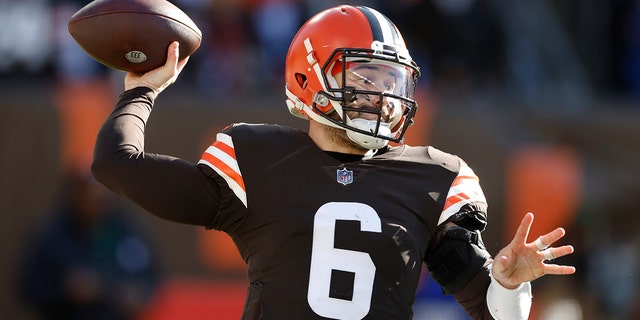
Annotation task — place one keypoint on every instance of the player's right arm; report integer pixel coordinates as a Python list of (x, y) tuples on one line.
[(168, 187)]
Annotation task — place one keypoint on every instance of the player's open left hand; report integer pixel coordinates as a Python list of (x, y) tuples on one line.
[(160, 78), (520, 261)]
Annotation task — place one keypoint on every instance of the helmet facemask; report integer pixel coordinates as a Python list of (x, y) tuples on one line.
[(368, 93)]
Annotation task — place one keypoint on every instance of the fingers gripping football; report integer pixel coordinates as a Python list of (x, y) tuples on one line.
[(162, 77), (133, 35)]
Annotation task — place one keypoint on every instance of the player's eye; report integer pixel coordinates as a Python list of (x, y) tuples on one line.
[(366, 81)]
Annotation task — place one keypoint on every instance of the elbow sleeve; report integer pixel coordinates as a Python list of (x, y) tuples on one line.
[(457, 258), (512, 304)]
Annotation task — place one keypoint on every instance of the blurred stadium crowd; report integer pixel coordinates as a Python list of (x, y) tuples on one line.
[(566, 51), (563, 66)]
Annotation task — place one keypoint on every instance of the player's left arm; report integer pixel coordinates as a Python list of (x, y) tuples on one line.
[(489, 289), (459, 262), (457, 258)]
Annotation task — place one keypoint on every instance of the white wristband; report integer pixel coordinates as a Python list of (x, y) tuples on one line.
[(509, 304)]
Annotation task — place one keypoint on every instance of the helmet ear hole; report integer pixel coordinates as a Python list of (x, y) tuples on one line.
[(301, 79)]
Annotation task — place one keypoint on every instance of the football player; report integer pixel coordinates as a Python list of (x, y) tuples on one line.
[(333, 223)]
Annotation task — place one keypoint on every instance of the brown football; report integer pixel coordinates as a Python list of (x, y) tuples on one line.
[(133, 35)]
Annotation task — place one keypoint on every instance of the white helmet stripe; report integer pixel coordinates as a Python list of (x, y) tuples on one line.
[(313, 62), (318, 71), (383, 30)]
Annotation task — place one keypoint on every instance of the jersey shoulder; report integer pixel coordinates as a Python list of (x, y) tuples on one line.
[(243, 148), (262, 133), (465, 197), (427, 155), (240, 150)]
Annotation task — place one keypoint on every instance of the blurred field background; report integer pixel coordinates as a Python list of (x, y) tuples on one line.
[(540, 97)]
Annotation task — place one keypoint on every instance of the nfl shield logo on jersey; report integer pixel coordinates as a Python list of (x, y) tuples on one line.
[(344, 176)]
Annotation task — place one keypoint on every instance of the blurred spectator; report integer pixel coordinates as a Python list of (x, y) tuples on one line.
[(25, 41), (275, 22), (541, 62), (227, 47), (613, 276), (313, 6), (465, 58), (71, 63), (88, 261), (613, 265), (630, 60), (83, 88)]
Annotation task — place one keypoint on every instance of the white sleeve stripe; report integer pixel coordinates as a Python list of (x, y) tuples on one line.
[(224, 157), (465, 189), (471, 189), (222, 137), (235, 187), (232, 174)]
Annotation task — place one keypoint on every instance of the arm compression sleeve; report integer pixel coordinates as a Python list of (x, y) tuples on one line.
[(506, 303), (168, 187)]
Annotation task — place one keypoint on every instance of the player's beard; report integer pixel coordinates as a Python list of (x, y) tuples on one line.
[(339, 137)]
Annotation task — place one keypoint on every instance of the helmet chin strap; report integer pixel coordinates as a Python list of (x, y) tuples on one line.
[(367, 141), (300, 109)]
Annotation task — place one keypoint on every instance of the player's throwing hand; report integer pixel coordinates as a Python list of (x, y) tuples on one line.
[(160, 78)]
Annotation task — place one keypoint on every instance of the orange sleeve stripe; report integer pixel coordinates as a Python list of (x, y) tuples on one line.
[(224, 168), (455, 199), (225, 148)]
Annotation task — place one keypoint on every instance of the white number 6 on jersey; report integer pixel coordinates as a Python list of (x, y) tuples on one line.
[(325, 257)]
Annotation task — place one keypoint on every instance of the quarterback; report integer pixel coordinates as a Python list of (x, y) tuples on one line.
[(333, 222)]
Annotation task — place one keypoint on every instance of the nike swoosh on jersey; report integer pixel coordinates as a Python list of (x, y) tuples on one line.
[(221, 157), (465, 189)]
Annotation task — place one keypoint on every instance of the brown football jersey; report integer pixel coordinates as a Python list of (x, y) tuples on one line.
[(323, 237), (327, 239)]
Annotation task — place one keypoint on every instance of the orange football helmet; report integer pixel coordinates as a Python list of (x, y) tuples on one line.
[(330, 66)]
